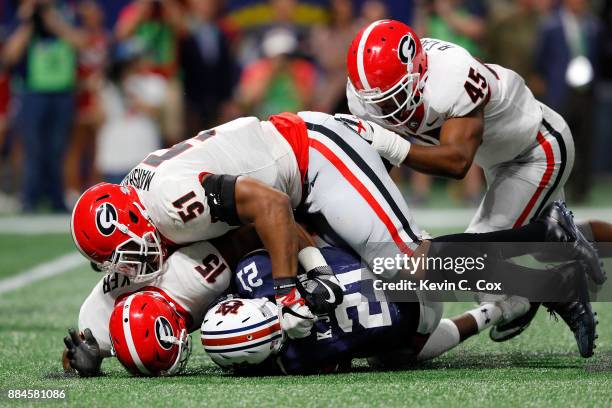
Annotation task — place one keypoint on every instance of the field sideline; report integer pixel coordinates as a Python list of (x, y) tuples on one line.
[(539, 368)]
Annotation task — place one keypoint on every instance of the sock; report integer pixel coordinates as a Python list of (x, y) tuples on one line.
[(445, 337), (486, 315)]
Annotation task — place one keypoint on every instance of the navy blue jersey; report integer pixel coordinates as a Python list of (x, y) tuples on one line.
[(363, 325)]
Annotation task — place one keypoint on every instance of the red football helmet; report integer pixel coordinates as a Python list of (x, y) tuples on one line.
[(111, 227), (387, 69), (148, 335)]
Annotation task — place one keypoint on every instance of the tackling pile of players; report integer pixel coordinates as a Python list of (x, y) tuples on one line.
[(203, 236)]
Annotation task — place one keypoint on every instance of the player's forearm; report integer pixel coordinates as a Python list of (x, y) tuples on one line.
[(445, 161), (276, 228), (271, 213)]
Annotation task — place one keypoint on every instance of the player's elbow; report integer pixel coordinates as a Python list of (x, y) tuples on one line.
[(275, 203), (459, 168)]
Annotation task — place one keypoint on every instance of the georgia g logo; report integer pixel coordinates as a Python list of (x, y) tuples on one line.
[(106, 216), (163, 332), (406, 49)]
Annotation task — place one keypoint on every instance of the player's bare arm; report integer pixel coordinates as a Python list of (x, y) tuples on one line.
[(270, 212), (459, 141)]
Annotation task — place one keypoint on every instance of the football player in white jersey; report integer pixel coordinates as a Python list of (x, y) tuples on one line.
[(245, 171), (452, 110), (194, 277), (251, 171)]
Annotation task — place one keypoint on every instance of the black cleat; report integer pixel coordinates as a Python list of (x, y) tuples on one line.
[(507, 331), (560, 227), (581, 320)]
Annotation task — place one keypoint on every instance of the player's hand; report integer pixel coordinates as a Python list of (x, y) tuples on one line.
[(321, 289), (319, 286), (295, 317), (83, 354)]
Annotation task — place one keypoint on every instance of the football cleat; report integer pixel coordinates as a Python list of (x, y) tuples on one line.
[(512, 328), (560, 227), (581, 320), (513, 307)]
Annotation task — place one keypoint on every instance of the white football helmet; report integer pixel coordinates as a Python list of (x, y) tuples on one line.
[(239, 332)]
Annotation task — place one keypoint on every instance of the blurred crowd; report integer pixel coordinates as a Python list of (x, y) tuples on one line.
[(84, 99)]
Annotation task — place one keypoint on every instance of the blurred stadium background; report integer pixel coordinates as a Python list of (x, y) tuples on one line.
[(89, 87)]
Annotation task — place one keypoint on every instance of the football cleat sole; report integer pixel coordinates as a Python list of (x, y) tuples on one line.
[(507, 331)]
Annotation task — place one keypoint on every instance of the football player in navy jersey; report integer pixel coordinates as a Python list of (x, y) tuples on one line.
[(242, 332)]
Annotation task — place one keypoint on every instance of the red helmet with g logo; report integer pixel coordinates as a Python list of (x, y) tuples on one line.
[(111, 228), (387, 69), (148, 335)]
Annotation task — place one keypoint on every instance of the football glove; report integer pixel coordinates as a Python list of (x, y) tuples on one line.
[(319, 286), (83, 354), (295, 317), (388, 144)]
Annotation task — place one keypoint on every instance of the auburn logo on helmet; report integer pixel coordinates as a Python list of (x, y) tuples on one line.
[(407, 48), (231, 306), (163, 331), (106, 216)]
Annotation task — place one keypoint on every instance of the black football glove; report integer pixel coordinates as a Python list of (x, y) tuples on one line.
[(321, 289), (83, 353)]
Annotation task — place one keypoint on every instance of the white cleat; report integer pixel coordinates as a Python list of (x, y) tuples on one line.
[(513, 307)]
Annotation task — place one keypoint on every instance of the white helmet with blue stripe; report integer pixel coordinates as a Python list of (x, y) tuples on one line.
[(239, 332)]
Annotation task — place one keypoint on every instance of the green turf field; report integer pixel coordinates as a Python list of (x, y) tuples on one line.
[(539, 368)]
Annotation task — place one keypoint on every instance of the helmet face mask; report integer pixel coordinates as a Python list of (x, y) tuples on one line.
[(398, 104), (184, 352), (139, 258)]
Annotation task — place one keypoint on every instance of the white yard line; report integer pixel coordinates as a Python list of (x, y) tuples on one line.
[(35, 224), (44, 270)]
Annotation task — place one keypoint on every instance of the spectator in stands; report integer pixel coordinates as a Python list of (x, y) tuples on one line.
[(208, 68), (92, 62), (325, 41), (8, 203), (131, 101), (462, 22), (373, 10), (282, 16), (510, 40), (154, 24), (566, 56), (279, 81), (604, 93), (42, 49)]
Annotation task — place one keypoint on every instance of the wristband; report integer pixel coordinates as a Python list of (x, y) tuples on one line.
[(390, 145), (311, 258), (284, 286)]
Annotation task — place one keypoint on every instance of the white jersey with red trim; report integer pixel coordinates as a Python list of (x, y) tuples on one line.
[(195, 276), (456, 84), (168, 181)]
